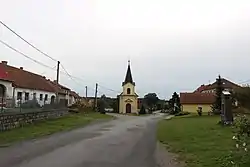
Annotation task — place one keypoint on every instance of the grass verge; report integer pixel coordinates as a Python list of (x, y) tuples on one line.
[(48, 127), (199, 141)]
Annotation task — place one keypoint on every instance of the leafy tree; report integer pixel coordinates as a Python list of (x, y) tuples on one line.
[(242, 96), (115, 105), (151, 100), (142, 110), (219, 89), (175, 103), (102, 104)]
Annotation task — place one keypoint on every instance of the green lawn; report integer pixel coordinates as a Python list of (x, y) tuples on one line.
[(199, 141), (49, 126)]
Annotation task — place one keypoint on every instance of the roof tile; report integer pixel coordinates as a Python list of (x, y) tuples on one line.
[(197, 98)]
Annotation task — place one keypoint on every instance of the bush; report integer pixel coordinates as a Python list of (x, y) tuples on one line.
[(182, 113), (142, 110), (199, 111), (240, 154)]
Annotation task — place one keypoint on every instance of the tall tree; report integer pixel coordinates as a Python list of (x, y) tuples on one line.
[(142, 110), (102, 104), (151, 100), (218, 94), (242, 96), (175, 103)]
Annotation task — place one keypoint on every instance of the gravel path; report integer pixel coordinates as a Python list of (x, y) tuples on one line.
[(125, 142)]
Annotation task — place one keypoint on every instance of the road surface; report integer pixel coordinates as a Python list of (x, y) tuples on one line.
[(128, 141)]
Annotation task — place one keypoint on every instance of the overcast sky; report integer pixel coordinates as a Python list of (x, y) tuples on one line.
[(173, 45)]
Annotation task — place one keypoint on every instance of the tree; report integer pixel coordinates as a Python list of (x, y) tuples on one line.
[(175, 103), (102, 104), (151, 100), (219, 90), (142, 110), (242, 96), (115, 105)]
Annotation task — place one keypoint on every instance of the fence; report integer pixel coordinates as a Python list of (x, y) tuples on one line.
[(35, 105)]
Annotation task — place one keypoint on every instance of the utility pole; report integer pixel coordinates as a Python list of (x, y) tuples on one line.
[(86, 91), (57, 72), (57, 80), (95, 104)]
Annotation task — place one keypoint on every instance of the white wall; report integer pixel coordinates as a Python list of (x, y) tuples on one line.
[(31, 92), (9, 88)]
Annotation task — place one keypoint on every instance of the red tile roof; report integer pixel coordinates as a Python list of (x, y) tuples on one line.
[(58, 87), (24, 79), (197, 98), (3, 74), (74, 94), (227, 85), (201, 88)]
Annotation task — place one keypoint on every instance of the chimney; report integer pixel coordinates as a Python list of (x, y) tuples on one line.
[(4, 62), (21, 68)]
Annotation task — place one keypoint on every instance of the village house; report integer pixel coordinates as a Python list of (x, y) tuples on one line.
[(18, 86), (210, 88), (204, 96), (191, 102)]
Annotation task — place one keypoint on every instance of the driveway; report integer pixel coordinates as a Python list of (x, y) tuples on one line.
[(128, 141)]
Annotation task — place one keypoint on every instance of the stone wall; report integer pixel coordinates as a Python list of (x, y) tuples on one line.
[(14, 120)]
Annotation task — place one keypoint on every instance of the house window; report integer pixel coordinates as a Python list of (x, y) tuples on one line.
[(26, 96), (41, 97), (128, 91), (46, 97), (19, 95)]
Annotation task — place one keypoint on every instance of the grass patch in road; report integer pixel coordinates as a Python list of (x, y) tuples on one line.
[(199, 141), (48, 127)]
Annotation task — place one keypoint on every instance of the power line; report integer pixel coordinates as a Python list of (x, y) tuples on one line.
[(27, 41), (54, 68), (38, 62), (110, 89)]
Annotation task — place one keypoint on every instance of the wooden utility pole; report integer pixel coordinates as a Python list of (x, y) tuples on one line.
[(57, 80), (95, 104), (86, 91), (57, 72)]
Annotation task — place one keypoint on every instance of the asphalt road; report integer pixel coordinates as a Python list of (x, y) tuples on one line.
[(124, 142)]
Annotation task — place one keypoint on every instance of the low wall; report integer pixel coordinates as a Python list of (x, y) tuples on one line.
[(14, 120)]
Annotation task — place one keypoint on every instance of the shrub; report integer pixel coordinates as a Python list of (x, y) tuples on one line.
[(199, 111), (240, 154), (142, 110)]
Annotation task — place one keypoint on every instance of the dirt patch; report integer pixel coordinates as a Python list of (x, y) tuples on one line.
[(165, 158)]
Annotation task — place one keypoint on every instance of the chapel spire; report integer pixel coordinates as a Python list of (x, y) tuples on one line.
[(128, 78)]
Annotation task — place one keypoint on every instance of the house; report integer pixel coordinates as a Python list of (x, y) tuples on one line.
[(190, 102), (19, 86), (73, 97), (63, 92), (210, 88)]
